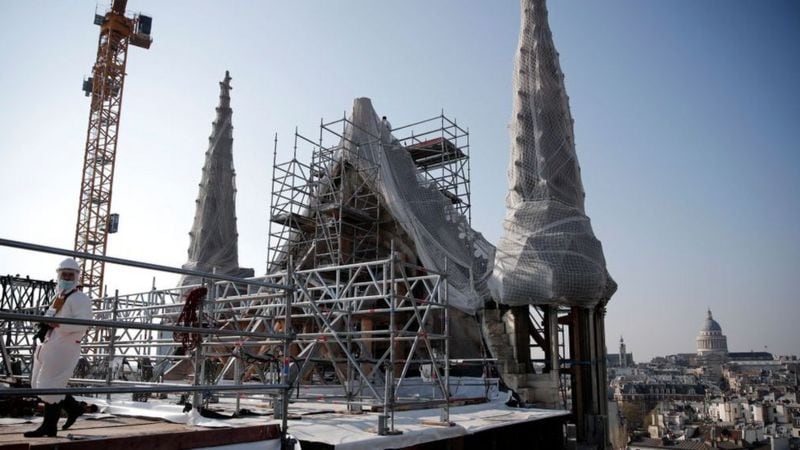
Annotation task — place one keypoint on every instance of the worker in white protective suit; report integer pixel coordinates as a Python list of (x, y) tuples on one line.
[(55, 359)]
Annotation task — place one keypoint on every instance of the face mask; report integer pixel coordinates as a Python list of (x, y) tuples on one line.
[(64, 285)]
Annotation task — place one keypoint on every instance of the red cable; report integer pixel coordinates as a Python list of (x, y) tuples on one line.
[(189, 318)]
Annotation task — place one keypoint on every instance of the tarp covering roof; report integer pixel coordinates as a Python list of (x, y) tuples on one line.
[(444, 240)]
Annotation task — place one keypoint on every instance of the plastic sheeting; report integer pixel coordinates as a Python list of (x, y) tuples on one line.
[(272, 444), (358, 432), (214, 239), (444, 240), (548, 253)]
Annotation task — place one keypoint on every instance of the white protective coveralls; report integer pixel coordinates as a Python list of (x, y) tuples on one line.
[(55, 358)]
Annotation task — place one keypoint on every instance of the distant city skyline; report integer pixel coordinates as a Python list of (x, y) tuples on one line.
[(685, 123), (615, 349)]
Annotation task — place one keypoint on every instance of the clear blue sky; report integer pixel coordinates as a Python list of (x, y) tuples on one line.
[(686, 120)]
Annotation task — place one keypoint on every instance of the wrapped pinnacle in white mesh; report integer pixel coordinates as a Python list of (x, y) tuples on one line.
[(213, 242), (548, 253), (440, 233)]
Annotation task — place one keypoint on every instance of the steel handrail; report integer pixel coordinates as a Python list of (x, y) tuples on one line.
[(4, 315)]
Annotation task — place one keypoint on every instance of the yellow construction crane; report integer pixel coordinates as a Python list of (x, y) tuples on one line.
[(95, 222)]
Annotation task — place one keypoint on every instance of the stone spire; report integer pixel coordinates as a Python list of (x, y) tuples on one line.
[(548, 253), (213, 241)]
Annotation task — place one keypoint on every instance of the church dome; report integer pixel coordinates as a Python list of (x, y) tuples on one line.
[(710, 324), (710, 340)]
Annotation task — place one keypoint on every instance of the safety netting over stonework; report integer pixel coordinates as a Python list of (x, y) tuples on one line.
[(548, 253), (213, 242), (444, 240)]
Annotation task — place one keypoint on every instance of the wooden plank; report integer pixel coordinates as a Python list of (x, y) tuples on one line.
[(135, 434)]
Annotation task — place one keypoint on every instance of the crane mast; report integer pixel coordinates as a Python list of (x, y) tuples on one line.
[(105, 87)]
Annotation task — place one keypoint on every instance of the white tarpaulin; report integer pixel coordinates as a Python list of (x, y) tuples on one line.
[(444, 240)]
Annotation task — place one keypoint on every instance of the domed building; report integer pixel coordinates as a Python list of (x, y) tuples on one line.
[(711, 341)]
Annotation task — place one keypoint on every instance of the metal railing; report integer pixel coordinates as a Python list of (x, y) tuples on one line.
[(359, 331), (11, 318)]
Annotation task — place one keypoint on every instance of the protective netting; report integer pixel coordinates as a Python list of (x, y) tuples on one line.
[(214, 239), (444, 240), (548, 253)]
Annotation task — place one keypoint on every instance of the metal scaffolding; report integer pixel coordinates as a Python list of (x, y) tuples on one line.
[(341, 314), (370, 334), (129, 330), (549, 345), (324, 212), (440, 150), (17, 344), (327, 217)]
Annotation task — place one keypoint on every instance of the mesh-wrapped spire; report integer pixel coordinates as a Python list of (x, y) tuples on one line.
[(214, 239), (548, 253)]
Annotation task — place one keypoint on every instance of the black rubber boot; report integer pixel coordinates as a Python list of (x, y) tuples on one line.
[(49, 427), (73, 408)]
